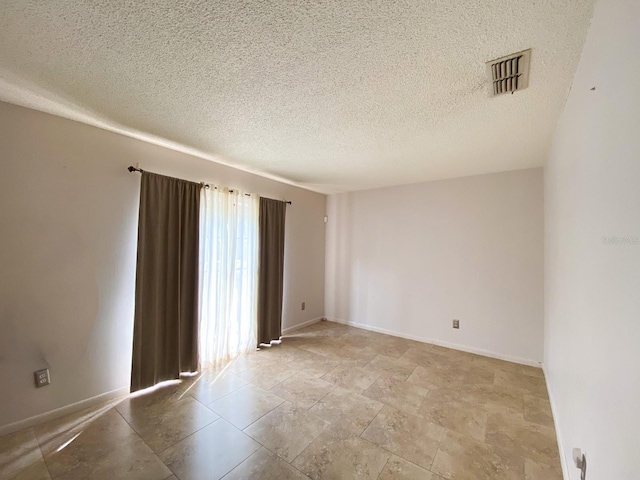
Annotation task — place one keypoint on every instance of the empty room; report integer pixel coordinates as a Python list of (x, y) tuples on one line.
[(319, 240)]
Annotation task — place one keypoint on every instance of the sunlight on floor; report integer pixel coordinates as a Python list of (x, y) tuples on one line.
[(67, 443), (157, 386)]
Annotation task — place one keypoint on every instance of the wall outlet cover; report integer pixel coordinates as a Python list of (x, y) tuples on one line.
[(42, 377), (456, 324)]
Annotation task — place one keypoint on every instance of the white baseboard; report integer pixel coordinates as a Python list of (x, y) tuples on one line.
[(556, 424), (59, 412), (301, 325), (440, 343)]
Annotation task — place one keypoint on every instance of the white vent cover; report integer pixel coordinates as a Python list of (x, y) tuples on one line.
[(509, 74)]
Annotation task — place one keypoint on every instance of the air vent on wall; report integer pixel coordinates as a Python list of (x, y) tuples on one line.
[(509, 74)]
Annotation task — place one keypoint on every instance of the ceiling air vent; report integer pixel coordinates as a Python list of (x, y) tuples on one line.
[(509, 74)]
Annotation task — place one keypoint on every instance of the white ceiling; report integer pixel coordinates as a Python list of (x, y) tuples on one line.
[(330, 95)]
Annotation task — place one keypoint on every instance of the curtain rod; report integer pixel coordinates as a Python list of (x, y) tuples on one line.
[(132, 169)]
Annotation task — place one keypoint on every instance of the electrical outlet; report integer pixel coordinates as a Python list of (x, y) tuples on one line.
[(42, 377), (304, 305), (456, 324)]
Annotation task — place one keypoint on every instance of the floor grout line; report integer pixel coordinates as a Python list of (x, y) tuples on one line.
[(44, 460), (385, 466)]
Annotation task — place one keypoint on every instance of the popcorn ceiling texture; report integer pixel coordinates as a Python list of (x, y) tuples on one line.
[(330, 95)]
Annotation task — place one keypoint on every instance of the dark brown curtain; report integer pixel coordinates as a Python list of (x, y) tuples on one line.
[(271, 277), (165, 336)]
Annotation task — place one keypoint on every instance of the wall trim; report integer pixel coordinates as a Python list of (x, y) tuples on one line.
[(440, 343), (556, 424), (301, 325), (67, 409)]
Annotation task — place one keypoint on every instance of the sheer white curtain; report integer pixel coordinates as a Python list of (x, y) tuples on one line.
[(228, 274)]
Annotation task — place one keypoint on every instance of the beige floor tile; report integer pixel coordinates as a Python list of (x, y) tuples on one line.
[(443, 394), (352, 378), (297, 339), (479, 375), (438, 376), (301, 355), (327, 329), (357, 340), (420, 356), (512, 432), (315, 365), (337, 453), (361, 332), (495, 363), (461, 417), (162, 429), (415, 343), (538, 410), (249, 360), (267, 376), (212, 386), (540, 471), (492, 397), (322, 330), (287, 430), (526, 383), (390, 367), (18, 451), (209, 453), (400, 469), (245, 406), (52, 434), (282, 353), (391, 349), (452, 358), (348, 355), (134, 461), (347, 408), (35, 471), (326, 349), (264, 465), (533, 371), (452, 353), (325, 346), (464, 458), (150, 403), (97, 439), (408, 436), (397, 394), (302, 389)]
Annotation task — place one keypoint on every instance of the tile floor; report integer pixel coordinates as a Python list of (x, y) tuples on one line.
[(330, 402)]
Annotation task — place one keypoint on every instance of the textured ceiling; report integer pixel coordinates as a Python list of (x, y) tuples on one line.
[(330, 95)]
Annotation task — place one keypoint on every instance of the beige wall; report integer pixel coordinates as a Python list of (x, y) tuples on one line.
[(407, 260), (68, 220), (592, 252)]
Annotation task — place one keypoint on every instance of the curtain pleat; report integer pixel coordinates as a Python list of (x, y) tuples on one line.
[(165, 339), (271, 272)]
